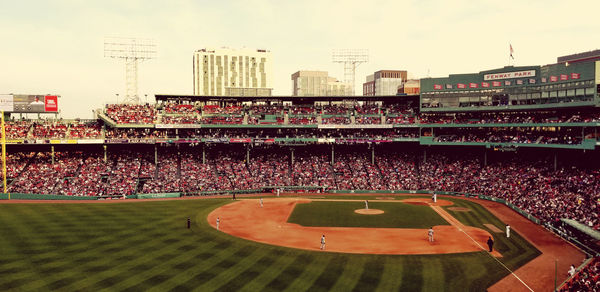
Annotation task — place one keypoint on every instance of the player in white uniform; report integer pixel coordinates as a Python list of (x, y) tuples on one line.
[(323, 242), (218, 221), (367, 204), (507, 230), (430, 233), (261, 203)]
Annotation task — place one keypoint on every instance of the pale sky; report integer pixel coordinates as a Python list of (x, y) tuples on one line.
[(57, 46)]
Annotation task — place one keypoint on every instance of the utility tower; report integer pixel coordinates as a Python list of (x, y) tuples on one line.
[(351, 59), (132, 50)]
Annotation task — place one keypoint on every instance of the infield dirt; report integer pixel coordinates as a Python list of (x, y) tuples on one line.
[(246, 219)]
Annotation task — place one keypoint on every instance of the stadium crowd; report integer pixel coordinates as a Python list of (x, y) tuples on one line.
[(533, 186), (587, 279)]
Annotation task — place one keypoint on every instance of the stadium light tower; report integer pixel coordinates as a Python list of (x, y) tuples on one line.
[(132, 50), (351, 59)]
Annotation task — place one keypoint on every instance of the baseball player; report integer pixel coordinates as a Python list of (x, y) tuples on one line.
[(218, 221), (507, 230), (430, 233), (434, 197), (278, 191), (261, 203), (367, 204), (490, 243), (323, 242)]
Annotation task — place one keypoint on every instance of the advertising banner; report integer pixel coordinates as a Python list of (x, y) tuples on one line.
[(6, 102), (356, 126), (141, 141), (115, 141), (51, 103), (23, 103), (240, 140), (90, 141)]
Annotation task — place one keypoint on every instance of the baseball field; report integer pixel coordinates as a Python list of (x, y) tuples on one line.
[(146, 246)]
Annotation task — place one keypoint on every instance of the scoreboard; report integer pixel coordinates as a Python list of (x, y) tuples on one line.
[(28, 103)]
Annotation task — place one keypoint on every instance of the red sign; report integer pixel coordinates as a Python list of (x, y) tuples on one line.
[(437, 87), (564, 77), (507, 83), (531, 81), (461, 85), (473, 85), (553, 78), (485, 84), (51, 103), (240, 140), (544, 79), (519, 81), (575, 75), (496, 83)]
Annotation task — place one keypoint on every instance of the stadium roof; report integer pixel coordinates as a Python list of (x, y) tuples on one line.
[(294, 99)]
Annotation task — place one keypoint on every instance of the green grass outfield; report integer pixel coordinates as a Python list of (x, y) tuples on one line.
[(341, 214), (145, 246)]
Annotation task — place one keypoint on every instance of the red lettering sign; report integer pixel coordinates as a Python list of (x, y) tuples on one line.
[(553, 78), (51, 103), (485, 84), (575, 75), (473, 85), (564, 77), (437, 87), (496, 83), (461, 85), (506, 82)]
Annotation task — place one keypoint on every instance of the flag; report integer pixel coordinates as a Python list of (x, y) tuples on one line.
[(511, 51)]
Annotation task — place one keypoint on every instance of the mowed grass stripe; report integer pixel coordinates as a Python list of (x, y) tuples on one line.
[(412, 276), (131, 258), (433, 274), (168, 261), (248, 270), (330, 275), (351, 274), (232, 267), (304, 281), (207, 267), (391, 278), (144, 267), (274, 271), (289, 273), (371, 274)]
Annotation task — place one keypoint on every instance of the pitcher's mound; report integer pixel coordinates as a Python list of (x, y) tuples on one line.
[(368, 211)]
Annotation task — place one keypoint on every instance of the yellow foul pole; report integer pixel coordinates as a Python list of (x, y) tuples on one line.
[(3, 154)]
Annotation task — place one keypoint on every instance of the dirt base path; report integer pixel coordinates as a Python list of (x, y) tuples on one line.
[(246, 219)]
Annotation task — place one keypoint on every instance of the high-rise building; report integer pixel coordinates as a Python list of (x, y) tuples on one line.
[(317, 83), (231, 72), (384, 82)]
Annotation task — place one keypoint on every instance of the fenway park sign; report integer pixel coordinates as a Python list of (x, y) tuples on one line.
[(509, 75)]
